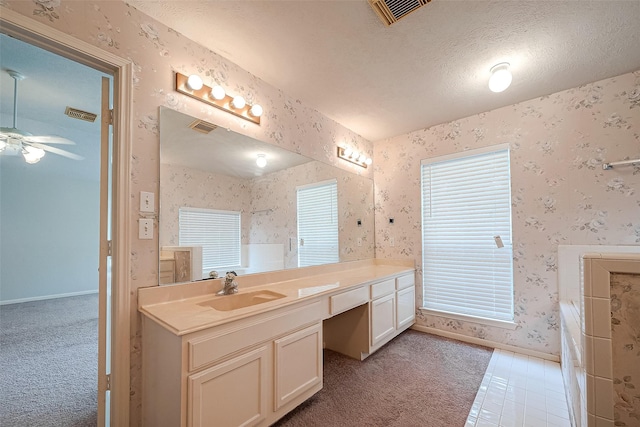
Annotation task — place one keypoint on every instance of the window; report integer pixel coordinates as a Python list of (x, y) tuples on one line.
[(218, 232), (466, 205), (318, 223)]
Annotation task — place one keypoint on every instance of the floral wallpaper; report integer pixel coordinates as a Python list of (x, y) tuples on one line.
[(558, 143), (268, 205), (625, 343), (277, 191), (194, 188), (156, 52), (560, 193)]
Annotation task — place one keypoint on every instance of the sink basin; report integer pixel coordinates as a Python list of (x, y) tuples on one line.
[(241, 300)]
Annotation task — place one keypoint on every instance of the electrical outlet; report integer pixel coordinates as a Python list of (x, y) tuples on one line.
[(392, 241), (147, 201), (145, 229)]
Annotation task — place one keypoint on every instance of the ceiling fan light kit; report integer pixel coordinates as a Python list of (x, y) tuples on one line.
[(32, 147), (216, 96)]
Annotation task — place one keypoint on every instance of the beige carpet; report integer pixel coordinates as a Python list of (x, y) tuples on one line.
[(417, 379), (49, 363)]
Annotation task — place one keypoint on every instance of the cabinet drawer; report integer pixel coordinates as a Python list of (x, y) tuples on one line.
[(210, 348), (405, 281), (346, 300), (383, 288)]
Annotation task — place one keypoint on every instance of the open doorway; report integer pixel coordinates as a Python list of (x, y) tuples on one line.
[(49, 252)]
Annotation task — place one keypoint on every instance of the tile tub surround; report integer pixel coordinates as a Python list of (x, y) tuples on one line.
[(610, 287), (570, 272)]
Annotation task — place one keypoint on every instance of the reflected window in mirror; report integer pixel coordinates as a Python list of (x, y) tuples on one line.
[(318, 223), (217, 170), (217, 232)]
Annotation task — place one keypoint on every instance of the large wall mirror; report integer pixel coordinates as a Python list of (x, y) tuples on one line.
[(220, 210)]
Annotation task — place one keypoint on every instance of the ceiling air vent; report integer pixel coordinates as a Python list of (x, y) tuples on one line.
[(74, 113), (202, 126), (391, 11)]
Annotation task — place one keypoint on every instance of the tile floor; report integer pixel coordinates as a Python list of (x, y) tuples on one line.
[(520, 391)]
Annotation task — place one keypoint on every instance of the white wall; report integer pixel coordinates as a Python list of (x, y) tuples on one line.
[(49, 232)]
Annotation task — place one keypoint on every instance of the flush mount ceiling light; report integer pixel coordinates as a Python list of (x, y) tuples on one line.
[(353, 156), (261, 161), (15, 141), (216, 96), (500, 77)]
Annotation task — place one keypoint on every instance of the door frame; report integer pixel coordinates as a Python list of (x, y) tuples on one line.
[(41, 35)]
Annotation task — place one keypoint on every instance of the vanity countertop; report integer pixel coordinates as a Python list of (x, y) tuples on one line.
[(183, 314)]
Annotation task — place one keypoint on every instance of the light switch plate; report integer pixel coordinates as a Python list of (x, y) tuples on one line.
[(147, 201), (145, 229)]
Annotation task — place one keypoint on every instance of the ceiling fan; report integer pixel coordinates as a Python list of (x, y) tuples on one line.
[(32, 147)]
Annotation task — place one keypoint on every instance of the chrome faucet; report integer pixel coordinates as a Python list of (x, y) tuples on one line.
[(230, 286)]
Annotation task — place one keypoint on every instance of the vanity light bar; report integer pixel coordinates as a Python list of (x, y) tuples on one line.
[(354, 157), (203, 93)]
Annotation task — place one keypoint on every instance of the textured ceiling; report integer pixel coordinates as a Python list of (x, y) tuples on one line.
[(430, 67)]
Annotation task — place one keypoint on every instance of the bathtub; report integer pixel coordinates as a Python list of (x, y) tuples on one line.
[(587, 344)]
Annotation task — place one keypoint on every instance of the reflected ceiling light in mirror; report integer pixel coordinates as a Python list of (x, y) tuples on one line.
[(500, 77), (261, 161), (217, 97), (353, 156)]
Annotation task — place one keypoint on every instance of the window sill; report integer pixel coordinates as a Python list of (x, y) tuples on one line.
[(472, 319)]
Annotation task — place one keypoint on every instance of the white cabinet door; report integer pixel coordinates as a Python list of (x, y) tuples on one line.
[(298, 364), (383, 318), (233, 393), (406, 304)]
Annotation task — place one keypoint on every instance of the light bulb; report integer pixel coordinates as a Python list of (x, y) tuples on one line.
[(238, 102), (261, 161), (368, 161), (194, 82), (32, 154), (355, 155), (256, 110), (347, 151), (362, 157), (500, 77), (217, 92)]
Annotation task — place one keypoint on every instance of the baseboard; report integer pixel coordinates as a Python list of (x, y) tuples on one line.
[(486, 343), (44, 297)]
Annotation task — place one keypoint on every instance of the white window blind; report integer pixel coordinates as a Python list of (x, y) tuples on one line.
[(218, 232), (318, 223), (466, 202)]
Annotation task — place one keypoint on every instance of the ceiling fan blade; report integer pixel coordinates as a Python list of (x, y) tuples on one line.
[(46, 139), (58, 151)]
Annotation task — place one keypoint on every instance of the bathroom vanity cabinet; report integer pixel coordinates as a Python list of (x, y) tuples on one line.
[(247, 372), (250, 367)]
